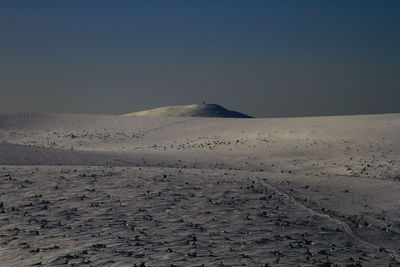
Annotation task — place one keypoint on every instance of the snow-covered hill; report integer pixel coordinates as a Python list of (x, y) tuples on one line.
[(197, 110)]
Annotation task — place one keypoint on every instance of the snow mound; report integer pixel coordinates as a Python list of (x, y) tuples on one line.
[(197, 110)]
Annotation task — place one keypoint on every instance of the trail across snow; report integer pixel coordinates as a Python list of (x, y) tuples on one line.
[(343, 225)]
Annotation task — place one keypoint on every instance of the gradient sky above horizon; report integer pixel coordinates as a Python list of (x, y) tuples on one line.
[(262, 58)]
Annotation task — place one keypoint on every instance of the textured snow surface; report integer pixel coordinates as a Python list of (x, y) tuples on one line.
[(101, 190)]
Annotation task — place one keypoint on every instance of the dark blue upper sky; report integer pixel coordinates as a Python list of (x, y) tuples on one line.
[(264, 58)]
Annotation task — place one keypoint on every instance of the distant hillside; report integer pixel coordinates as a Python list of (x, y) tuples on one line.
[(197, 110)]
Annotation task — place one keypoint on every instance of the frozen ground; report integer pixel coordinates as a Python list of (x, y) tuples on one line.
[(151, 191)]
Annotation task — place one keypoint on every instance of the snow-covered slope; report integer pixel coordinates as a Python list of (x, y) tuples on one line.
[(159, 191), (197, 110), (365, 145)]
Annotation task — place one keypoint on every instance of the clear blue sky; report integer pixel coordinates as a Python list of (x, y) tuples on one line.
[(263, 58)]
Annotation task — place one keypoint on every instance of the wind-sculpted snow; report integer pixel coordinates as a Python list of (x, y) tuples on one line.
[(107, 190), (159, 216)]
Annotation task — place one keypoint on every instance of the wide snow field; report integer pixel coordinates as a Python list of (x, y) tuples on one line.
[(106, 190)]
